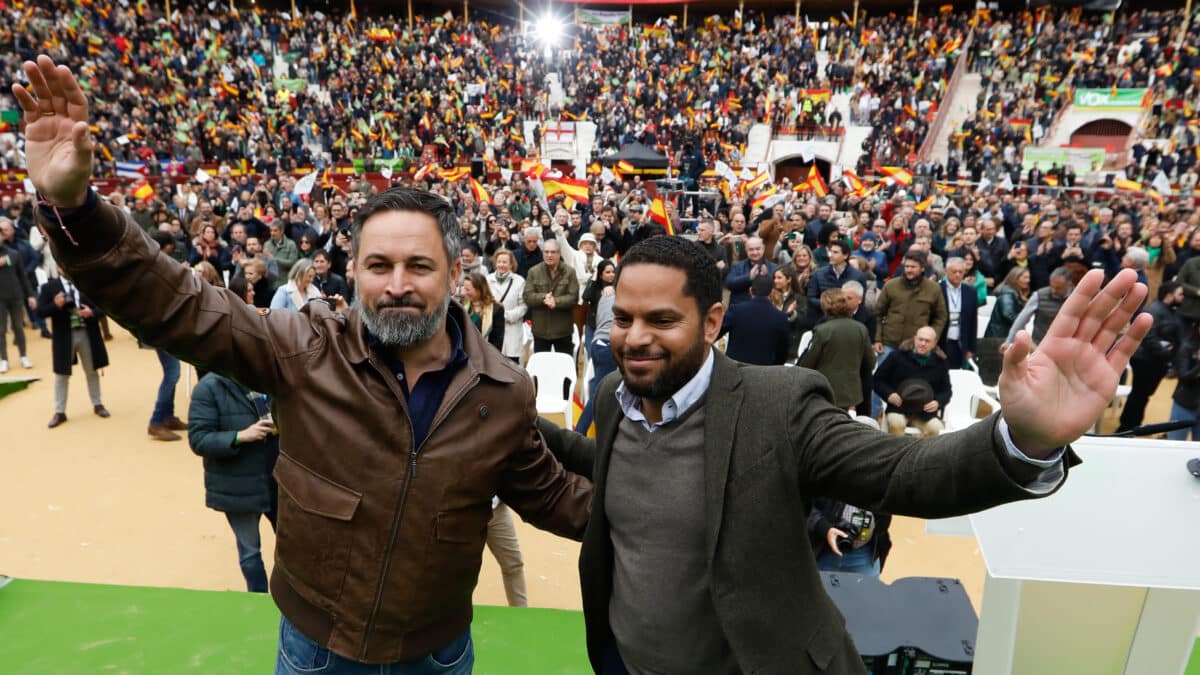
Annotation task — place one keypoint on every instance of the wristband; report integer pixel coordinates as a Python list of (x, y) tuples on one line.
[(235, 438)]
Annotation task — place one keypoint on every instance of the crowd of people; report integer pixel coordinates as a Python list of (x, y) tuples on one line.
[(883, 290)]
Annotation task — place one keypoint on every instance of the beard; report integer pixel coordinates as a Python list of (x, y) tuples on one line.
[(398, 329), (674, 374)]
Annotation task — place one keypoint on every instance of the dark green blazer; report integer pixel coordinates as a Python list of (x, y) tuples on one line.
[(773, 441)]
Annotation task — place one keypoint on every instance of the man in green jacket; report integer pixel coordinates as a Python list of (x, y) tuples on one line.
[(551, 292), (906, 303), (282, 250)]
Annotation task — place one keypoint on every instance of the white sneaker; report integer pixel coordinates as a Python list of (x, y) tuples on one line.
[(26, 363), (3, 366)]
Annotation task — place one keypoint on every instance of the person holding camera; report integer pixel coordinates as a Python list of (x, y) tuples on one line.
[(75, 334), (846, 538)]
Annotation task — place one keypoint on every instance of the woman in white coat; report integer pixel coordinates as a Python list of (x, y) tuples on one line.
[(509, 290), (299, 288)]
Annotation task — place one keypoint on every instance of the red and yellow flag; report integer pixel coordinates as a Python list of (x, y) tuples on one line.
[(1125, 184), (143, 190), (924, 204), (658, 214), (897, 174), (817, 182), (480, 194)]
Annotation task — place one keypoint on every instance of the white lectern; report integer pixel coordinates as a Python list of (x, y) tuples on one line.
[(1103, 577)]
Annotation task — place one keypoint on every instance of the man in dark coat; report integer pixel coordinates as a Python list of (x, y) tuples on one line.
[(75, 324), (915, 382), (758, 333), (231, 428), (1154, 357), (962, 309)]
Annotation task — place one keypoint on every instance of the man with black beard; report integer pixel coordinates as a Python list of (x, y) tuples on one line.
[(696, 558), (398, 422)]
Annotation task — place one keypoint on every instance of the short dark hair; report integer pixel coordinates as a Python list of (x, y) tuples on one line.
[(918, 256), (703, 278), (1167, 289), (320, 253), (762, 285), (420, 201), (842, 244), (163, 239)]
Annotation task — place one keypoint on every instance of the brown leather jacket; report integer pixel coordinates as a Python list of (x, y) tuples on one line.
[(378, 543)]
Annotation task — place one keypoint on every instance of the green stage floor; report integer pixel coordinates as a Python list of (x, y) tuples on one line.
[(54, 628), (11, 385)]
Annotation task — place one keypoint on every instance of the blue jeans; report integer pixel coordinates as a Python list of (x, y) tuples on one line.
[(164, 405), (298, 654), (602, 364), (249, 547), (1179, 413), (856, 561)]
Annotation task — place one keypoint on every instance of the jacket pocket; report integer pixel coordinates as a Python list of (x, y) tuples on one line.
[(315, 530), (462, 526), (825, 644)]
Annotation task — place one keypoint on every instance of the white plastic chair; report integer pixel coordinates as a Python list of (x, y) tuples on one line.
[(554, 377), (1123, 389), (966, 392), (805, 341), (589, 371), (983, 316)]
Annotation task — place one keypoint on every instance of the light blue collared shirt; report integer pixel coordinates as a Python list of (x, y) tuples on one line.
[(689, 394)]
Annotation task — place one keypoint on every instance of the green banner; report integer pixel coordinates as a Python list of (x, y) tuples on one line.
[(1080, 159), (1108, 99), (296, 86), (595, 17), (10, 116)]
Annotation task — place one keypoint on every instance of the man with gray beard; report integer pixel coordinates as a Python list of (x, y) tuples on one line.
[(398, 422)]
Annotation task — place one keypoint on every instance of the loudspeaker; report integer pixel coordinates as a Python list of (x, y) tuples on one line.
[(915, 626)]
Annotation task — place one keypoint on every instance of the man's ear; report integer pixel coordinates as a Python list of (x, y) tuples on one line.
[(713, 319)]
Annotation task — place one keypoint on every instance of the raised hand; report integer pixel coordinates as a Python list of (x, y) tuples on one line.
[(58, 145), (1053, 396)]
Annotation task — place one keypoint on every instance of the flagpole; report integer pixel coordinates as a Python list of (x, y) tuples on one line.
[(684, 14), (410, 16), (916, 5), (854, 17), (798, 17)]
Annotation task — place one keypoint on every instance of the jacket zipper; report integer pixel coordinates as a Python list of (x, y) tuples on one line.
[(412, 473)]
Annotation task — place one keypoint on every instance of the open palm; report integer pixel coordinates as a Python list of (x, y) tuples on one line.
[(1054, 395), (58, 146)]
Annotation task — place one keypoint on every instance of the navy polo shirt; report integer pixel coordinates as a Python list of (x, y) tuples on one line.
[(424, 399)]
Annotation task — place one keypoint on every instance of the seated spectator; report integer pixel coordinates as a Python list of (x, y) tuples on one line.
[(846, 538), (915, 383)]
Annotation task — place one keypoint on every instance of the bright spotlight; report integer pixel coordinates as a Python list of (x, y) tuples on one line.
[(548, 30)]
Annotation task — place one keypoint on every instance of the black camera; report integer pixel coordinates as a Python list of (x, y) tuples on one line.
[(844, 544)]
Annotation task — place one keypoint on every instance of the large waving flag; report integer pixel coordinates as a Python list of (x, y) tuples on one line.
[(817, 182), (898, 175), (480, 194), (855, 183)]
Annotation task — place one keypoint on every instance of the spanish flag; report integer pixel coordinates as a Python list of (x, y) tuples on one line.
[(924, 204), (817, 182), (480, 194), (625, 167), (658, 214), (454, 175), (898, 175), (573, 188), (1052, 181), (756, 182), (1125, 184), (855, 183), (143, 190), (765, 195), (425, 172)]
